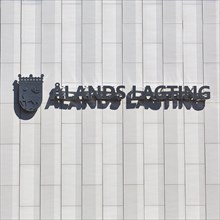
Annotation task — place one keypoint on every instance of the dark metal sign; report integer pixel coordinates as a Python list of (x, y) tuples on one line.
[(104, 96), (30, 92), (105, 93), (30, 96)]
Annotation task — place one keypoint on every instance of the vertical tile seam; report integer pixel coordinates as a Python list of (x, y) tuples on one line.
[(164, 158), (102, 114), (0, 91), (41, 68), (123, 108), (184, 133), (82, 111), (204, 110), (142, 5), (19, 197), (61, 116)]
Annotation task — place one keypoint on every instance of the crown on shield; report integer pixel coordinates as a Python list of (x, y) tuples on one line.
[(31, 78)]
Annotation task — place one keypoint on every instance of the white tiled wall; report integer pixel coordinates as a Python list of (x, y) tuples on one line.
[(110, 164)]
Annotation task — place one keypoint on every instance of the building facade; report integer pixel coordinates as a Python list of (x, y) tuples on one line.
[(94, 164)]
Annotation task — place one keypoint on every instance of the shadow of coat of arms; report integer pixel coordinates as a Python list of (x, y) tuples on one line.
[(30, 92)]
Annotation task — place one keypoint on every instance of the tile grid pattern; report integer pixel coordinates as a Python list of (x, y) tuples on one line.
[(104, 164)]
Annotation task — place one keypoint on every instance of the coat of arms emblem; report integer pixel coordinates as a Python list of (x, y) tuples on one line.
[(30, 92)]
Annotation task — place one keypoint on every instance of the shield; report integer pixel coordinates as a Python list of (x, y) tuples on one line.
[(30, 92)]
